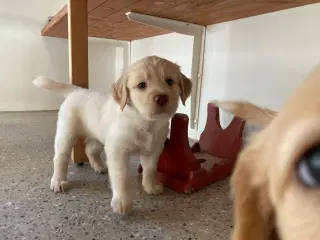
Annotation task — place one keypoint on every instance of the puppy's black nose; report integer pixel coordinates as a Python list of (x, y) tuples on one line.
[(161, 100)]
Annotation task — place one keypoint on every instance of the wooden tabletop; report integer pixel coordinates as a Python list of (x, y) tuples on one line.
[(107, 19)]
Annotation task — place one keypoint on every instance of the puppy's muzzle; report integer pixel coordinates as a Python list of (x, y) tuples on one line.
[(161, 100)]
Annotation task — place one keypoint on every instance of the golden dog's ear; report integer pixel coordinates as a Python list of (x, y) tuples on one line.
[(120, 91), (252, 206), (185, 88)]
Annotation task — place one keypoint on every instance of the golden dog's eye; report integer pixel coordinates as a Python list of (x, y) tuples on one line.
[(309, 168), (170, 81), (142, 85)]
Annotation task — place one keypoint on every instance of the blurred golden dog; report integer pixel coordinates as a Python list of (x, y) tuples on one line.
[(276, 181)]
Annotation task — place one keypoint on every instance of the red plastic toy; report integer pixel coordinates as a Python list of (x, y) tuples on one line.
[(186, 169)]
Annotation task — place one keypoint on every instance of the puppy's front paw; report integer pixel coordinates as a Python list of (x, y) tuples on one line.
[(121, 205), (99, 168), (58, 185), (154, 189)]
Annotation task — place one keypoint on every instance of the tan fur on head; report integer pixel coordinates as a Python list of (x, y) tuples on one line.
[(271, 199), (154, 72)]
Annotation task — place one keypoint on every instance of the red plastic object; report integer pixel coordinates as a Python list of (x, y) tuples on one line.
[(178, 167)]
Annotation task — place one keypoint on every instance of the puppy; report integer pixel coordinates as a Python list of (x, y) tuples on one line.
[(276, 180), (135, 120)]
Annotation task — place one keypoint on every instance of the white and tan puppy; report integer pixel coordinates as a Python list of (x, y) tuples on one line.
[(135, 120)]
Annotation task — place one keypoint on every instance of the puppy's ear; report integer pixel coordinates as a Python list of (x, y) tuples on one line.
[(251, 205), (120, 91), (185, 88)]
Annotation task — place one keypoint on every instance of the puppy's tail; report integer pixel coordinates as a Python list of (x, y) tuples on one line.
[(63, 88), (248, 111)]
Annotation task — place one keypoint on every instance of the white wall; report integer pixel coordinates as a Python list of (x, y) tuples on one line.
[(25, 54), (271, 54), (57, 5), (263, 58), (107, 59), (260, 59)]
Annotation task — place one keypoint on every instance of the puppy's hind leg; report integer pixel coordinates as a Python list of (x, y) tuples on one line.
[(93, 151), (64, 142)]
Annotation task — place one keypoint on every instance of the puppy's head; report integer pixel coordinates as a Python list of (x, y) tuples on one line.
[(152, 86), (279, 172), (294, 176)]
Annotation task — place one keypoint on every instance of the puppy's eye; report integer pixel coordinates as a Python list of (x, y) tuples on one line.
[(142, 85), (170, 81), (309, 168)]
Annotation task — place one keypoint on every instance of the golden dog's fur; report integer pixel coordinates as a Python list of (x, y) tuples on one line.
[(270, 200), (248, 111)]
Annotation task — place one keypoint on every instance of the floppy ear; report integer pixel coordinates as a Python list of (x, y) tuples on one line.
[(185, 88), (251, 205), (120, 92)]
